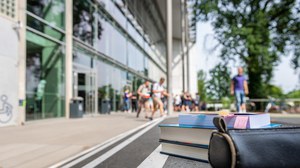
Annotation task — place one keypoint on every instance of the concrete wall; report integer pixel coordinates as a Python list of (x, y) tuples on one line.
[(9, 73)]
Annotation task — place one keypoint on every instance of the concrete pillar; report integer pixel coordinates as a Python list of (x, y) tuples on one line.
[(183, 30), (169, 45), (22, 61), (69, 52), (187, 47)]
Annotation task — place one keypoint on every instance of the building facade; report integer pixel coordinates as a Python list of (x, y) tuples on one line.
[(55, 50)]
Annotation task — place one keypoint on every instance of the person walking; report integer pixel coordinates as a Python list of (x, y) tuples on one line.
[(177, 100), (187, 102), (196, 102), (134, 103), (158, 93), (144, 97), (126, 97), (239, 88)]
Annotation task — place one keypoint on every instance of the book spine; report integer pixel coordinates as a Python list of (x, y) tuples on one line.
[(184, 143), (186, 157)]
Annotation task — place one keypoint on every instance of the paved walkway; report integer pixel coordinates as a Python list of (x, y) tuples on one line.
[(45, 142)]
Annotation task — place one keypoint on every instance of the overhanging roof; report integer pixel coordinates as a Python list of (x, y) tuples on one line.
[(151, 15)]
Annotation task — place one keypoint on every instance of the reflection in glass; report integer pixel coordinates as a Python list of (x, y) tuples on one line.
[(83, 21), (111, 82), (83, 58), (52, 11), (112, 43), (44, 78), (135, 58), (146, 65), (135, 35)]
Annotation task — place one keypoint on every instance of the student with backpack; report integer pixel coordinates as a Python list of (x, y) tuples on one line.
[(144, 92)]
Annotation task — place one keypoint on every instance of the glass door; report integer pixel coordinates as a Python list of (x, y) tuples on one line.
[(90, 93), (84, 86)]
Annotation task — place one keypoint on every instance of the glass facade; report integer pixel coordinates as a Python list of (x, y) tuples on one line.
[(44, 78), (105, 32), (45, 81)]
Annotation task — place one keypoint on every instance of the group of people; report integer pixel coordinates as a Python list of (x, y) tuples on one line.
[(150, 98), (238, 88), (185, 102), (153, 97)]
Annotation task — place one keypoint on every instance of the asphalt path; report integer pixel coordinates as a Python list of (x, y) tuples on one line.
[(132, 150)]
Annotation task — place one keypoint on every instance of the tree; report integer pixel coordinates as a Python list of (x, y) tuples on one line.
[(201, 76), (255, 32), (274, 91), (219, 84), (294, 94)]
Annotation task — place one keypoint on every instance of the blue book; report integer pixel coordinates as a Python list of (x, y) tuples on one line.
[(237, 120), (191, 134)]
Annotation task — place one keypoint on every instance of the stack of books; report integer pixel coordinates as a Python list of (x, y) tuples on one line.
[(190, 137), (185, 141)]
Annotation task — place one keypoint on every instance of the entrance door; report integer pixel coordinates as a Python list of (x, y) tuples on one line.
[(84, 85)]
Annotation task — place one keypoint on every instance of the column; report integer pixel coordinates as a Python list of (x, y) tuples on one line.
[(169, 45), (187, 47), (183, 43), (22, 61), (69, 60)]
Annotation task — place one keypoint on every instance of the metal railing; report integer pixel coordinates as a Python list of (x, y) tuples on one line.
[(273, 105)]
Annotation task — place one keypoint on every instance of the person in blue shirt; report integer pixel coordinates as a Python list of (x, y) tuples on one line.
[(126, 97), (239, 87)]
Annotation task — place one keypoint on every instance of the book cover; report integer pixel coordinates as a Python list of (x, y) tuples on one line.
[(237, 120), (184, 143), (271, 125), (187, 126), (183, 151), (186, 133)]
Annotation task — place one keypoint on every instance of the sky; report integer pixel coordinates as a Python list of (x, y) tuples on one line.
[(202, 58)]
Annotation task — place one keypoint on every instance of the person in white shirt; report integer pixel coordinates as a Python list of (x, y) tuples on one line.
[(144, 97), (177, 103), (158, 92)]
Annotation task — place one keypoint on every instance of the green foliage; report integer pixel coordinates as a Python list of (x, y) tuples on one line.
[(201, 82), (105, 92), (273, 91), (293, 94), (219, 84), (226, 102), (255, 32)]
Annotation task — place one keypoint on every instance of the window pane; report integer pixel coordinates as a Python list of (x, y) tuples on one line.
[(104, 86), (118, 47), (135, 35), (53, 11), (83, 21), (45, 85), (114, 11), (110, 41), (82, 58)]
